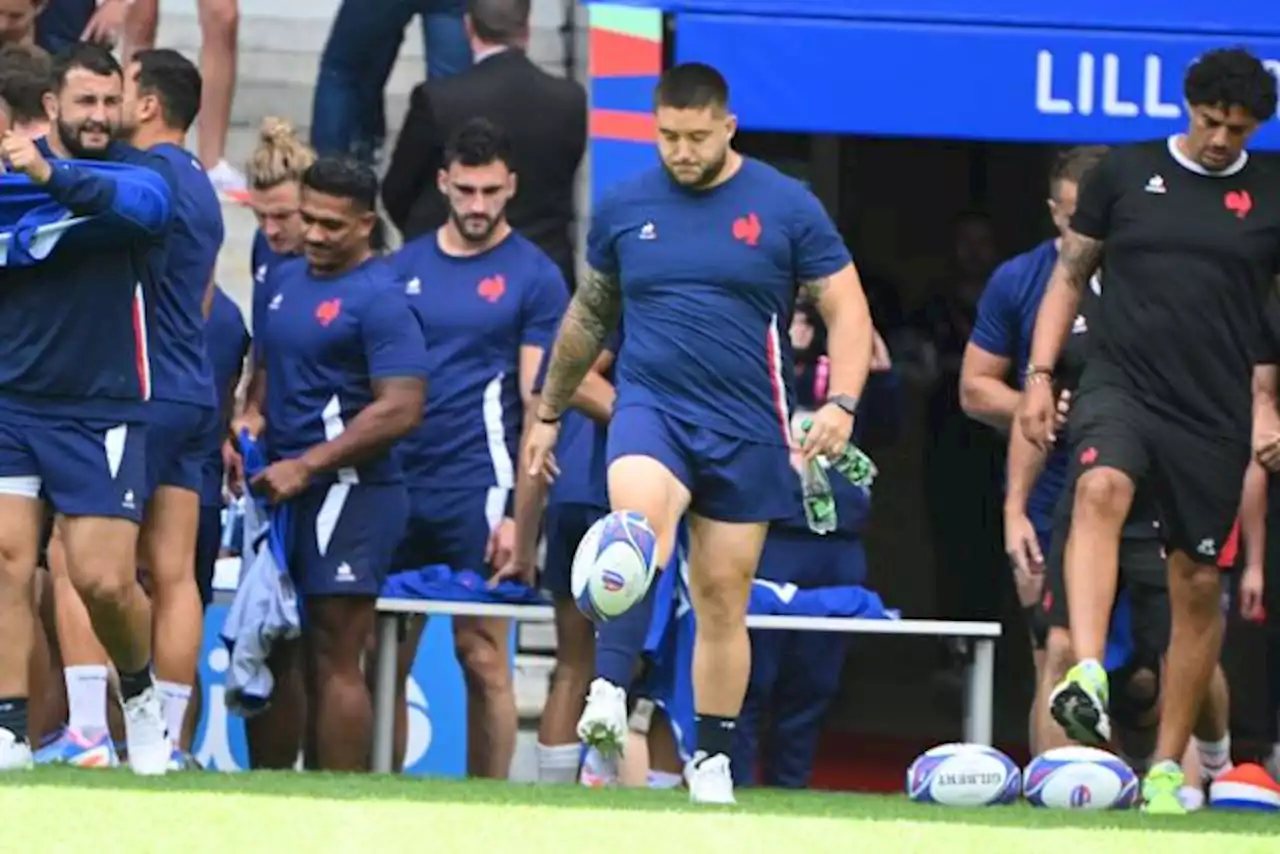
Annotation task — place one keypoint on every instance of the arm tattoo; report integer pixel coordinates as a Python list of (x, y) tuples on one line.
[(593, 314), (1080, 258), (813, 289)]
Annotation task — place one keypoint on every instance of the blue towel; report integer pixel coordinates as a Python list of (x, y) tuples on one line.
[(33, 223), (440, 582)]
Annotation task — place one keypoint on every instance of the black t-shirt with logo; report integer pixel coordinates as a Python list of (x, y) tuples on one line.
[(1190, 257)]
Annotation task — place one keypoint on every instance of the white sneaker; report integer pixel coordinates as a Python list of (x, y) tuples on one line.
[(709, 779), (228, 181), (146, 734), (603, 724), (15, 754)]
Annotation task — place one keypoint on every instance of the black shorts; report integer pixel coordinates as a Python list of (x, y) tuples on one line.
[(1195, 480), (1143, 574)]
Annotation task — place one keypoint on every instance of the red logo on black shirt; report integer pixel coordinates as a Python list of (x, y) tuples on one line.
[(327, 312), (1089, 457), (1046, 604), (747, 229), (492, 288), (1239, 202)]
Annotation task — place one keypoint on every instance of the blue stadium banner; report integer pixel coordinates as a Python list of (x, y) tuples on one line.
[(1238, 17), (806, 75)]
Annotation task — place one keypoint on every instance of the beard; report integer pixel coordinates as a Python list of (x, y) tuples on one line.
[(476, 228), (707, 176), (69, 136)]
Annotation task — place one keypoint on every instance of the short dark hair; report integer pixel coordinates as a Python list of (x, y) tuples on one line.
[(1073, 164), (26, 75), (499, 21), (692, 86), (345, 178), (478, 142), (1232, 77), (174, 80), (93, 58)]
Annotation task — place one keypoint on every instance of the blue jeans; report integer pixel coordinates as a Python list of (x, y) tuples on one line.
[(348, 116)]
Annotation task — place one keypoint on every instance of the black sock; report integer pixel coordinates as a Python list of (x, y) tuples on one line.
[(715, 734), (13, 716), (133, 684)]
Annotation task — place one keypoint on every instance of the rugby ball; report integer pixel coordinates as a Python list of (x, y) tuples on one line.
[(963, 775), (1245, 787), (614, 565), (1079, 778)]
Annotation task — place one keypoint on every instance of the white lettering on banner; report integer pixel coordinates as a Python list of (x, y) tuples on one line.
[(214, 752), (1081, 102), (419, 737)]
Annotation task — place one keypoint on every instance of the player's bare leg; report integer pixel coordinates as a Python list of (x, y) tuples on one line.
[(168, 550), (219, 35), (102, 560), (86, 742), (483, 648), (48, 709), (558, 744), (1195, 642), (1212, 728), (274, 737), (341, 708), (723, 557), (1102, 500), (21, 521), (643, 485), (1058, 660)]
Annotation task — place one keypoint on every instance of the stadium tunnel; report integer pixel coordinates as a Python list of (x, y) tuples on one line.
[(901, 114)]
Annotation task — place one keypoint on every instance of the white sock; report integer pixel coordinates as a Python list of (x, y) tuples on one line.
[(86, 698), (558, 763), (174, 698), (1215, 756), (1191, 798), (664, 780)]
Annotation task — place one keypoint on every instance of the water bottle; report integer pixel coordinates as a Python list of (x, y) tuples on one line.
[(819, 503), (853, 464)]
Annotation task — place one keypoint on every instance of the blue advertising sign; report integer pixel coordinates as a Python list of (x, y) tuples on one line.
[(994, 83), (437, 743), (1239, 17)]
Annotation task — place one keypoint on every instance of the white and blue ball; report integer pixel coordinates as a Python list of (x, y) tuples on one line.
[(614, 565), (964, 775), (1079, 778)]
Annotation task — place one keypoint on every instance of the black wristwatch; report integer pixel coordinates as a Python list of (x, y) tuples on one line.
[(847, 402)]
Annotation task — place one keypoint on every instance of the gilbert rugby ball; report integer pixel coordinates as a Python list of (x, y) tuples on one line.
[(614, 565), (1079, 778), (963, 775)]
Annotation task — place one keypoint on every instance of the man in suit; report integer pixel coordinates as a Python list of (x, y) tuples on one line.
[(544, 116)]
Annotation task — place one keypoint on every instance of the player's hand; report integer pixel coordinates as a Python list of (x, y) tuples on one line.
[(1063, 410), (107, 23), (521, 572), (1251, 594), (828, 434), (283, 480), (539, 450), (501, 546), (881, 361), (21, 155), (1266, 440), (1036, 413), (233, 465), (1023, 547), (249, 422)]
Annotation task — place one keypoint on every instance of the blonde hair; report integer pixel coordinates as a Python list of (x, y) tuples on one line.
[(279, 157)]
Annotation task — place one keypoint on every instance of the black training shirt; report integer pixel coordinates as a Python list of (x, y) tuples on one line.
[(1189, 259)]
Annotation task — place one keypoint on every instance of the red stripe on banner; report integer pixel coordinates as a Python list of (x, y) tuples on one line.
[(612, 54), (621, 125)]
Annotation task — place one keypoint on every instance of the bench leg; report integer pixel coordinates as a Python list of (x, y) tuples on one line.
[(980, 692), (384, 694)]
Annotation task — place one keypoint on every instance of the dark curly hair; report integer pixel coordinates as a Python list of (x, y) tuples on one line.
[(1232, 77)]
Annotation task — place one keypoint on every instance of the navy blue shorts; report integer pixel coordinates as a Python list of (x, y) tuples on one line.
[(343, 535), (177, 444), (810, 560), (451, 527), (83, 467), (566, 525), (208, 545), (730, 479)]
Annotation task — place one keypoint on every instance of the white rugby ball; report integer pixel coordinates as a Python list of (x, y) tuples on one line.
[(614, 565), (1079, 778), (963, 775)]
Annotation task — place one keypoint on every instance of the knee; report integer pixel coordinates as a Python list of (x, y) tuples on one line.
[(1202, 584), (219, 17), (100, 584), (720, 600), (484, 662), (1103, 493), (1142, 688)]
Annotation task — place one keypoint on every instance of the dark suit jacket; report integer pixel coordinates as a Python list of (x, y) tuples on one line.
[(546, 119)]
